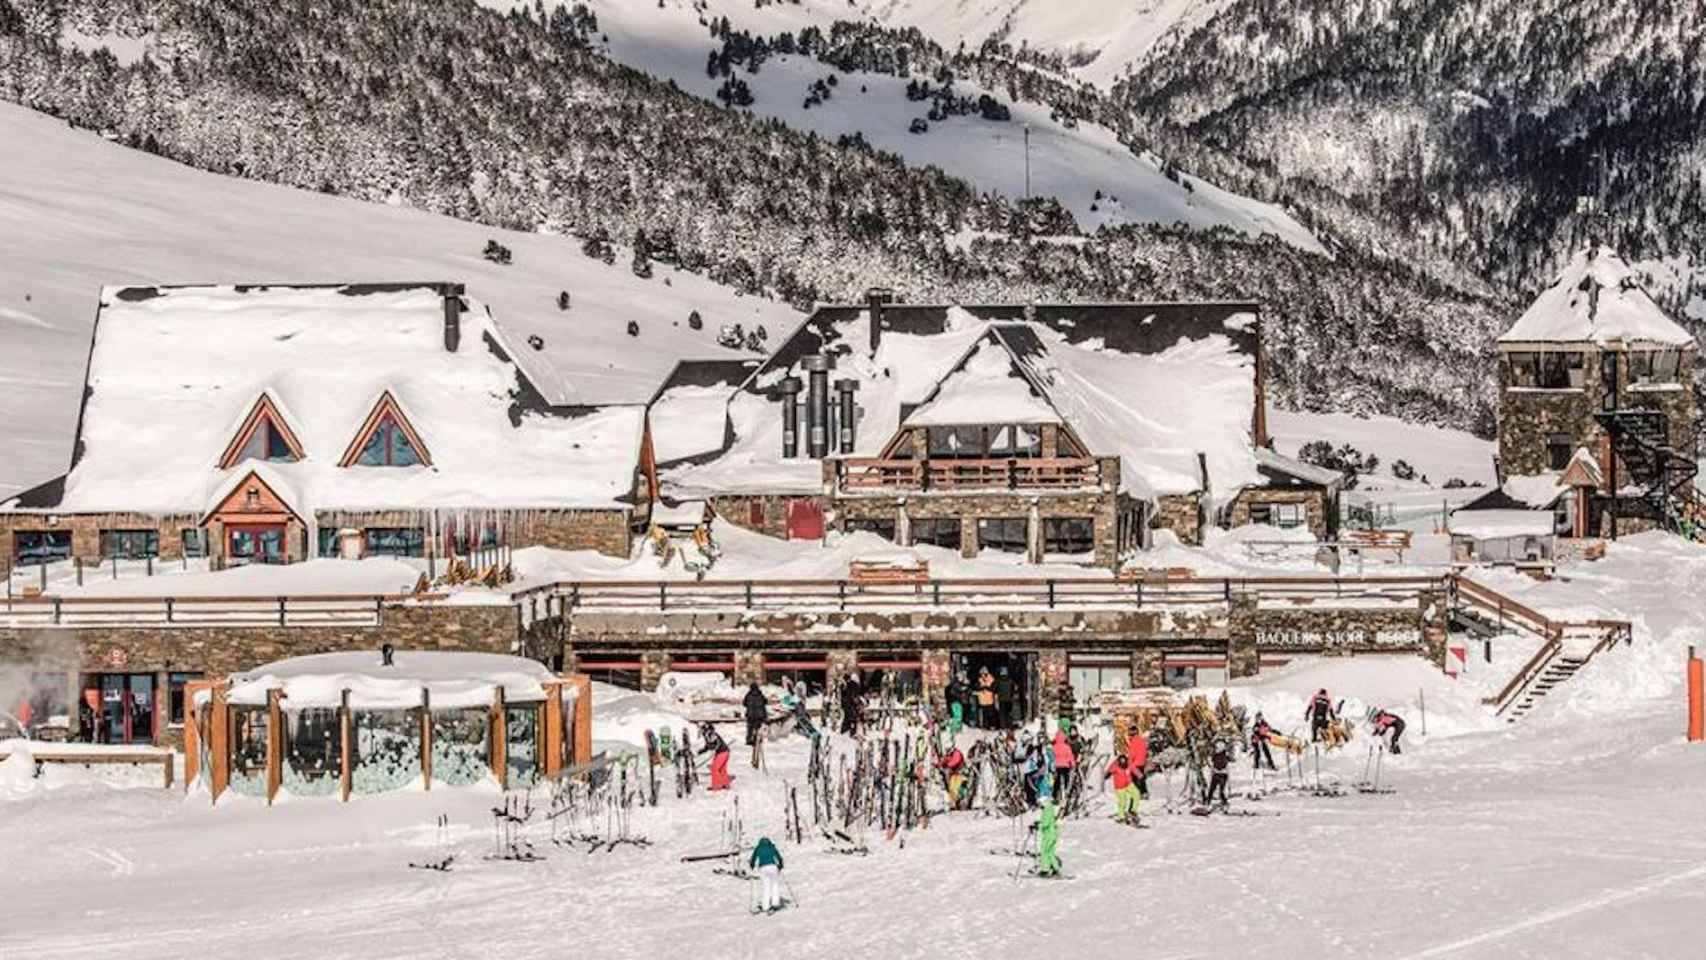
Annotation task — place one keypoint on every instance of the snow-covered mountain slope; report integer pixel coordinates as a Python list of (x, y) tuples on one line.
[(1083, 165), (81, 212), (1099, 39)]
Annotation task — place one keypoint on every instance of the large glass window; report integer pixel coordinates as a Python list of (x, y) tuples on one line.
[(961, 442), (41, 546), (937, 531), (1550, 370), (1069, 535), (1003, 534), (881, 526), (266, 443), (176, 700), (1016, 440), (194, 541), (1653, 366), (388, 446), (396, 542), (130, 544)]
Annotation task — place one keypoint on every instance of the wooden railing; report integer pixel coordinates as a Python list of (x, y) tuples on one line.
[(567, 597), (1553, 633), (316, 610), (855, 474)]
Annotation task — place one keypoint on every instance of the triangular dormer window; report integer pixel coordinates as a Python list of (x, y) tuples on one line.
[(387, 439), (263, 436)]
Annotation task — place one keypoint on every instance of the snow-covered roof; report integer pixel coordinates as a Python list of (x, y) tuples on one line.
[(1291, 466), (1539, 490), (454, 681), (687, 414), (1495, 524), (1596, 299), (1154, 384), (175, 371)]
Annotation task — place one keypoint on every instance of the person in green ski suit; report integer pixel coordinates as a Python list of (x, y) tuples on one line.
[(1048, 841), (768, 861)]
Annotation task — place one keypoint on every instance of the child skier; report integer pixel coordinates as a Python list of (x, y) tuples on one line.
[(718, 748), (953, 763), (1384, 721), (1125, 790), (1048, 840), (1220, 760), (1260, 754), (767, 860)]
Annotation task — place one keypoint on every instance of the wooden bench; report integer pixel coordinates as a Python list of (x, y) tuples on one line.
[(164, 758), (875, 572), (1397, 541)]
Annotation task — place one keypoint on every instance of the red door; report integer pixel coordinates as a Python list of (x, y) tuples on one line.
[(805, 520)]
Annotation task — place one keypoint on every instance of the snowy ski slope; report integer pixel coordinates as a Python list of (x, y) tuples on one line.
[(80, 212), (668, 40)]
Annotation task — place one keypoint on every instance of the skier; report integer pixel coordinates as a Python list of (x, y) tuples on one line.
[(757, 712), (1137, 751), (794, 702), (953, 763), (955, 694), (1384, 721), (767, 860), (850, 704), (986, 700), (718, 748), (1260, 755), (1004, 698), (1125, 791), (1048, 840), (1319, 713), (1220, 760), (1064, 760)]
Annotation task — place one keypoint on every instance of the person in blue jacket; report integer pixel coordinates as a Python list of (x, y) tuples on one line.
[(767, 860)]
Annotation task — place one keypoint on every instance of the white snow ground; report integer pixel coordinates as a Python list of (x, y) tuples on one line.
[(83, 212)]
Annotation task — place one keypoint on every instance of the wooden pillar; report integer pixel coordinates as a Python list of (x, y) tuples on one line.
[(193, 732), (162, 704), (275, 743), (497, 755), (345, 740), (426, 739), (219, 741), (583, 719), (553, 725)]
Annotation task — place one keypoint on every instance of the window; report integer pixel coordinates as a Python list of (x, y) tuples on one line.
[(41, 546), (266, 443), (254, 544), (881, 526), (263, 437), (327, 542), (947, 443), (1004, 534), (130, 544), (1550, 370), (395, 542), (1064, 535), (1179, 678), (194, 540), (1289, 515), (937, 531), (1653, 366), (1016, 440), (388, 446), (176, 701), (1559, 450)]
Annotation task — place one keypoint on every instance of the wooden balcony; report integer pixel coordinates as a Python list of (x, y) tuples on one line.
[(864, 474)]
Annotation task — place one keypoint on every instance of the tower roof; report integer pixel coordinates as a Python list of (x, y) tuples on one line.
[(1596, 299)]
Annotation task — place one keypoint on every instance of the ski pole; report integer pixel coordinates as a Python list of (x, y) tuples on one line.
[(793, 897)]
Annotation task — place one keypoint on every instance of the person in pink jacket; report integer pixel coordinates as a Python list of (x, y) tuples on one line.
[(1064, 761)]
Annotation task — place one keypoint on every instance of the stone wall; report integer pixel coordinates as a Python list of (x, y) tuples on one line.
[(1314, 504), (85, 529), (1307, 629), (1180, 513), (1146, 667), (1528, 415), (761, 514)]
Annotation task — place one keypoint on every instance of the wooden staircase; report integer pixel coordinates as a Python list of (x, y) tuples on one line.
[(1566, 646)]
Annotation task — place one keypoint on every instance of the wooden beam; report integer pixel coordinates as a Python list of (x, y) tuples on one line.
[(583, 719), (426, 739), (346, 739), (193, 733), (553, 724), (497, 756), (275, 744), (219, 741)]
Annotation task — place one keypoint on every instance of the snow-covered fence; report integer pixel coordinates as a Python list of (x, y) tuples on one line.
[(190, 611), (555, 599)]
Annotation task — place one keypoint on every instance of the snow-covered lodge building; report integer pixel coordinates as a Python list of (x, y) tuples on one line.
[(1049, 431), (1596, 410), (277, 423)]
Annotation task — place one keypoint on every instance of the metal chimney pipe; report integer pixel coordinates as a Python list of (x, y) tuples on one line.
[(875, 299), (790, 388), (846, 388), (817, 405), (452, 294)]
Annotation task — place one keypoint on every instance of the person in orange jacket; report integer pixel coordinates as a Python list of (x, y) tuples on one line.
[(1064, 761)]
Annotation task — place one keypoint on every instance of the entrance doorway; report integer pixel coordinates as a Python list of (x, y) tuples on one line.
[(254, 543), (119, 707), (1013, 688)]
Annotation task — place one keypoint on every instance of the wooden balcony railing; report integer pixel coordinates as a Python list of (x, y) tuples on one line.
[(856, 474)]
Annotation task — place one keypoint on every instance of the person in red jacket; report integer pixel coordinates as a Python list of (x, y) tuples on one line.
[(1384, 722), (1126, 795), (953, 763), (1260, 754), (1064, 761), (1319, 713)]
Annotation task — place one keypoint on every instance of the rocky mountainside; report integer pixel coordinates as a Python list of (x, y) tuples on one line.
[(520, 120)]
